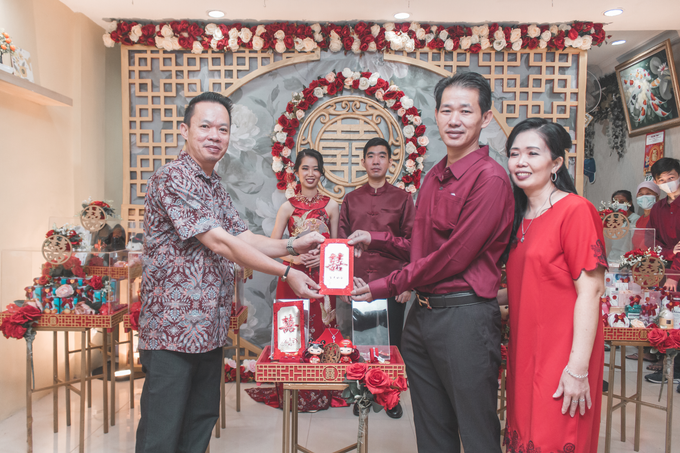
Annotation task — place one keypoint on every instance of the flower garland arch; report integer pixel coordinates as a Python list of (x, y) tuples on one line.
[(333, 84), (358, 37)]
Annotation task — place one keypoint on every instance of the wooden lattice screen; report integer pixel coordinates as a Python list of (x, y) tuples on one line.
[(554, 88)]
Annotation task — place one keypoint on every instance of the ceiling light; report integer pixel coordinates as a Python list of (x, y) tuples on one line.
[(215, 14), (402, 16), (613, 12), (618, 42)]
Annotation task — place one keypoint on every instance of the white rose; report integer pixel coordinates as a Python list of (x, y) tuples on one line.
[(483, 30), (465, 42), (568, 42), (233, 33), (300, 114), (423, 140), (564, 27), (401, 111), (420, 159), (397, 44), (277, 164), (210, 29), (485, 43), (379, 94), (217, 34), (335, 45), (316, 28), (542, 44), (389, 26), (390, 102), (285, 152), (429, 37), (372, 47), (280, 34), (289, 168), (554, 29), (257, 43), (356, 75), (330, 77), (356, 45), (166, 44), (197, 48), (334, 35), (373, 80), (297, 44), (348, 83), (533, 31), (578, 42), (245, 34), (233, 44), (406, 102), (259, 30), (417, 120), (280, 47), (278, 127), (411, 148), (517, 45), (111, 26), (474, 39), (434, 29), (414, 26), (411, 189), (364, 83), (443, 35), (136, 31), (318, 92), (420, 34), (175, 43), (499, 35), (166, 31), (375, 30), (410, 164), (318, 37), (410, 45), (546, 35), (476, 30), (281, 137), (390, 36), (347, 73), (409, 131), (108, 42), (448, 44), (587, 42), (499, 44), (515, 34), (400, 185)]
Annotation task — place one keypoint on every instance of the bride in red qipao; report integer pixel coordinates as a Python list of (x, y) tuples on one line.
[(307, 210), (555, 275)]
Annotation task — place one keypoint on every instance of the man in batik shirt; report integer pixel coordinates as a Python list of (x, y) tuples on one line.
[(193, 235)]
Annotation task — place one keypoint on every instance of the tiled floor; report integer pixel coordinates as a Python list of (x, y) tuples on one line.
[(257, 428)]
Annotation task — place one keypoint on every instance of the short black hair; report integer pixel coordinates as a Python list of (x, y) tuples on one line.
[(665, 164), (466, 80), (628, 196), (309, 153), (377, 141), (208, 96)]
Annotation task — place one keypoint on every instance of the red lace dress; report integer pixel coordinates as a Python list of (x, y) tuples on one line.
[(560, 244), (308, 214)]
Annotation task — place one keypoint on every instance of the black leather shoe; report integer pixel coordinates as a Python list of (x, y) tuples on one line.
[(395, 412), (355, 409)]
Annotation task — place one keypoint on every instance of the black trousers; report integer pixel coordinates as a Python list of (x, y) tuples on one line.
[(180, 401), (395, 313), (452, 358)]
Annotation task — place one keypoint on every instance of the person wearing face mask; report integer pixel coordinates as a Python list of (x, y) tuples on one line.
[(647, 194), (622, 200)]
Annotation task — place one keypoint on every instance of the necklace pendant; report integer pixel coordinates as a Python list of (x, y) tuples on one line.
[(522, 240)]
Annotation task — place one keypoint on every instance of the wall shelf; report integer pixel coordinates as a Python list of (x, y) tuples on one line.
[(23, 88)]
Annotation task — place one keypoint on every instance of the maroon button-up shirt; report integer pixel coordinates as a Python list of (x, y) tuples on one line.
[(387, 209), (463, 222), (187, 289), (665, 219)]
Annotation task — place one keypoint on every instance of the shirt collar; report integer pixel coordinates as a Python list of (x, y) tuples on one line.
[(372, 191), (458, 168), (193, 166)]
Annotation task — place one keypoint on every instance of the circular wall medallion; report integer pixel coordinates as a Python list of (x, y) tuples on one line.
[(649, 272), (57, 249), (616, 225), (93, 218)]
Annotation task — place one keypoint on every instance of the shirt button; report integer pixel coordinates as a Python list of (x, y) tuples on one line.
[(442, 188)]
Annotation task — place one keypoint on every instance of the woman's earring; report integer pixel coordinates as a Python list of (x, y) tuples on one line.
[(553, 177)]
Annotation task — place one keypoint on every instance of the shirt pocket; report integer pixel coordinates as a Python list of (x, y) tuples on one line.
[(446, 210)]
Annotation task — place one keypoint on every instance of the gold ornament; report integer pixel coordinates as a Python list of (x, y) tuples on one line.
[(93, 218), (649, 272), (57, 249), (616, 225), (331, 353)]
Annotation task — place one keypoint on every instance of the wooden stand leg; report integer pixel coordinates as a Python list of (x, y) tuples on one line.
[(55, 381), (114, 342), (638, 398), (105, 377), (286, 420), (238, 372), (83, 385), (89, 368), (29, 402), (669, 399), (294, 426), (131, 364), (622, 348), (67, 377), (610, 393)]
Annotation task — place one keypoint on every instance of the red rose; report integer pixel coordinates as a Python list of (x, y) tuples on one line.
[(578, 26), (283, 121), (377, 381), (573, 34), (675, 335), (96, 282), (195, 30), (355, 84), (400, 383), (290, 143), (533, 43), (186, 42), (148, 30), (294, 123), (11, 330), (670, 343), (557, 42), (420, 130), (656, 337), (43, 280), (49, 233), (124, 28), (332, 89), (524, 28), (347, 43), (388, 399), (356, 371), (25, 314), (78, 272), (303, 105), (277, 148), (281, 185)]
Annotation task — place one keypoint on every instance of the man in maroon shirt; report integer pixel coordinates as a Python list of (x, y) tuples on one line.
[(451, 340), (380, 206)]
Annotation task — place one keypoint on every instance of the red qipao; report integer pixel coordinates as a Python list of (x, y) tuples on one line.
[(560, 244)]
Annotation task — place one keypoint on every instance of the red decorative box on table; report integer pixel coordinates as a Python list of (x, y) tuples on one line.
[(337, 268), (63, 321), (625, 334), (268, 371)]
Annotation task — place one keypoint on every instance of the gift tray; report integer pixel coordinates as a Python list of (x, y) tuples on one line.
[(66, 321), (268, 371), (627, 334)]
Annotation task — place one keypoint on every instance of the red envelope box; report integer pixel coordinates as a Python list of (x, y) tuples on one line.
[(336, 268)]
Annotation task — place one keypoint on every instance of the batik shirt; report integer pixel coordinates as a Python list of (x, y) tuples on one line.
[(187, 289)]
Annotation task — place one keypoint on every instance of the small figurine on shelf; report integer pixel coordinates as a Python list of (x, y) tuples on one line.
[(346, 351), (315, 350)]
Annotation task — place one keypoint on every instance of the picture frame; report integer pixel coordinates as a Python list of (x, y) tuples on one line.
[(649, 91), (336, 276)]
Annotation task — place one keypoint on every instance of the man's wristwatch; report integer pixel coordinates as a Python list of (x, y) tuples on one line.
[(289, 247), (285, 274)]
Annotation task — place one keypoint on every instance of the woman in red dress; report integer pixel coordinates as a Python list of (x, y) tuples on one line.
[(555, 276)]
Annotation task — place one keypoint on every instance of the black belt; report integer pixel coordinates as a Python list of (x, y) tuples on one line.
[(450, 299)]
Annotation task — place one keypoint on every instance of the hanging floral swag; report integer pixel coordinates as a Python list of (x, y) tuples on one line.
[(610, 113), (358, 37), (333, 84)]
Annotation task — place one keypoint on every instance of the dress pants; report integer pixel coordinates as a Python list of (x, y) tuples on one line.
[(180, 401), (452, 357)]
